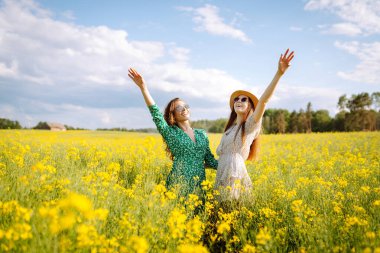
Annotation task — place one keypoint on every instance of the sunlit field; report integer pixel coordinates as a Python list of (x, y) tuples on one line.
[(87, 191)]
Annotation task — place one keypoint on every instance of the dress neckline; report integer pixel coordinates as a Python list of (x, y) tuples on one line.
[(188, 136), (230, 129)]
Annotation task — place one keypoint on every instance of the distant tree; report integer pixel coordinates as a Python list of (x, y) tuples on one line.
[(266, 124), (293, 122), (202, 124), (268, 121), (9, 124), (359, 102), (342, 103), (280, 119), (321, 121), (375, 97), (69, 127), (357, 112), (308, 116), (212, 126), (275, 120), (301, 121), (339, 121), (218, 126), (42, 125)]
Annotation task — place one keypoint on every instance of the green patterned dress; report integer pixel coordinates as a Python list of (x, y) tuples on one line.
[(189, 158)]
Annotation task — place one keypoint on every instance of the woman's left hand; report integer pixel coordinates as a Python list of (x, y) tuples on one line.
[(284, 62)]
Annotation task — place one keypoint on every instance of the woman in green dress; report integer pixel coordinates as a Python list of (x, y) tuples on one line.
[(187, 147)]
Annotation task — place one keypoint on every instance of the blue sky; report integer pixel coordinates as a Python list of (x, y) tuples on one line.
[(67, 61)]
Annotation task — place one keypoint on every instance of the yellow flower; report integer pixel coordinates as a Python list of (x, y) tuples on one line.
[(67, 221), (248, 249), (101, 213), (194, 230), (190, 248), (365, 189), (268, 213), (138, 244), (263, 237), (297, 206), (206, 185), (177, 223), (370, 235), (223, 227)]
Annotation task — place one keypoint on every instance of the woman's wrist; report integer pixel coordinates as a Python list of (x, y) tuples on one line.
[(144, 89), (279, 73)]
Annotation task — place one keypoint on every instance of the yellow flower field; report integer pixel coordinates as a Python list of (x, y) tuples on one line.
[(90, 191)]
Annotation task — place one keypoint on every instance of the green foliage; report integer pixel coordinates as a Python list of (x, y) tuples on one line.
[(42, 125), (358, 115), (212, 126), (9, 124), (360, 112)]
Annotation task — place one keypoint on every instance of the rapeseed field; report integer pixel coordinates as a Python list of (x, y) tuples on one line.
[(92, 191)]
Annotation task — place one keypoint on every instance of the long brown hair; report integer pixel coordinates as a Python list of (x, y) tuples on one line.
[(254, 147), (170, 119)]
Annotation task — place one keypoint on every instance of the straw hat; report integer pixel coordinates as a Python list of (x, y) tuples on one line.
[(245, 93)]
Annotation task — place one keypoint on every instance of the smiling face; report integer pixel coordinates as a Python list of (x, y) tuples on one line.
[(241, 104), (181, 111)]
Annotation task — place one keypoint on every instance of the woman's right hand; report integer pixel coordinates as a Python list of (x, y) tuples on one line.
[(137, 78)]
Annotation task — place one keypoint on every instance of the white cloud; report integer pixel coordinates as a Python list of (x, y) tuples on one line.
[(207, 19), (38, 52), (344, 29), (46, 51), (180, 54), (295, 97), (9, 71), (209, 83), (368, 69), (360, 16)]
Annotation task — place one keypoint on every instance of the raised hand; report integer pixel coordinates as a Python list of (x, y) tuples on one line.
[(137, 78), (139, 81), (284, 62)]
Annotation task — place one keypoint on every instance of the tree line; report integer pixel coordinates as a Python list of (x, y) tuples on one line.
[(360, 112)]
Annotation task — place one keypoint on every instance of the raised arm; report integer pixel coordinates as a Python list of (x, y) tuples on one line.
[(158, 119), (139, 81), (283, 65)]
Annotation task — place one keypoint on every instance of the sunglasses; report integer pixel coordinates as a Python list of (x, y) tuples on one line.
[(243, 100), (181, 108)]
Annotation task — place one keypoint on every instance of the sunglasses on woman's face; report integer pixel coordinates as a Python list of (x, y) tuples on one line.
[(181, 108), (243, 99)]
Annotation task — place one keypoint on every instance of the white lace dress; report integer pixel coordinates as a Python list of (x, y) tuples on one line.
[(232, 177)]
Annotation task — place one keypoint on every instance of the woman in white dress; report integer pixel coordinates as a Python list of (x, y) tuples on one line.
[(240, 139)]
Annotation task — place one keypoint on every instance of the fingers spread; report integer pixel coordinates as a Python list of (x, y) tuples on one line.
[(287, 50)]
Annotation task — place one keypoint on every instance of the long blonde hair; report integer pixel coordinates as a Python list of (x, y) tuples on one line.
[(255, 145)]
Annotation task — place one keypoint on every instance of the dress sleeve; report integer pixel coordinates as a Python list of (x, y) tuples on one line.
[(162, 126), (252, 126), (210, 161)]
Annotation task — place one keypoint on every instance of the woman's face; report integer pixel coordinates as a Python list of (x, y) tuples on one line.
[(181, 111), (241, 104)]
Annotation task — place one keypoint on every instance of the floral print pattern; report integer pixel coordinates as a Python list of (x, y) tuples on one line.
[(189, 158)]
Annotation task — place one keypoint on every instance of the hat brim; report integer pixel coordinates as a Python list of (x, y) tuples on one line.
[(245, 93)]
